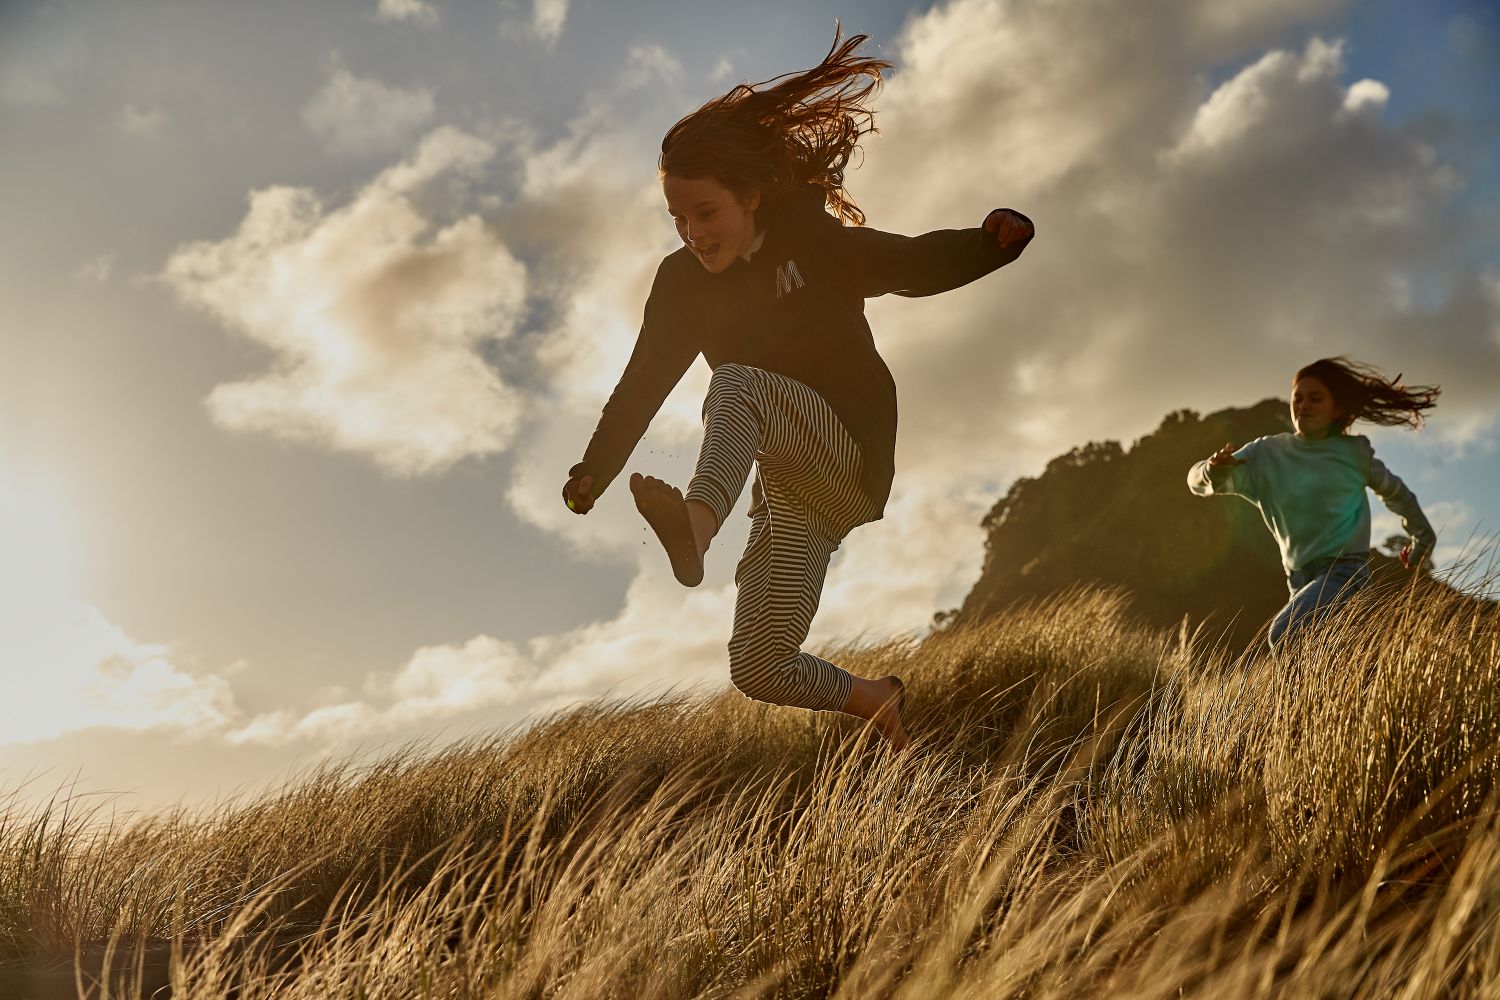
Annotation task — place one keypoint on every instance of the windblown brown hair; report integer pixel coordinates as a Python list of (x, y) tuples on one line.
[(783, 134), (1364, 393)]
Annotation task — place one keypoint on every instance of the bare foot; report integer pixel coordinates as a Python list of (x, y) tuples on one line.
[(891, 717), (883, 703), (664, 509)]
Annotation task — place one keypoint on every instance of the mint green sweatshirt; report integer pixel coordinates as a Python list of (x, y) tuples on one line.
[(1312, 494)]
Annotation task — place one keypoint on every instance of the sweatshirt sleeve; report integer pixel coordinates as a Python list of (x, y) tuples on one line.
[(1227, 480), (934, 262), (1402, 502), (663, 352)]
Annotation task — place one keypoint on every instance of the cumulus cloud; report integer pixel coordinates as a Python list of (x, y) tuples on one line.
[(590, 204), (375, 317), (417, 11), (358, 116), (68, 667), (1195, 244), (723, 68), (543, 22), (592, 199), (1210, 32), (438, 682), (72, 669), (475, 680), (1366, 96), (650, 63), (1457, 528), (547, 19)]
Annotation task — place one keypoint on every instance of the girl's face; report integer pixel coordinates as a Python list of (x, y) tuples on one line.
[(1314, 410), (717, 226)]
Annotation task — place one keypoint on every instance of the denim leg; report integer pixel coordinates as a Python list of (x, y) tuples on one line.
[(1315, 597)]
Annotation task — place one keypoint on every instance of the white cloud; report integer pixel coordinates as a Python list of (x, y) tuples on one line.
[(723, 70), (71, 669), (141, 121), (375, 318), (1453, 520), (1366, 95), (1195, 246), (417, 11), (592, 201), (475, 679), (67, 667), (544, 22), (650, 63), (358, 116), (593, 198), (1455, 524), (548, 18)]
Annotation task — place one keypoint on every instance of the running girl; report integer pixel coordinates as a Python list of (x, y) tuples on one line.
[(1310, 485), (770, 289)]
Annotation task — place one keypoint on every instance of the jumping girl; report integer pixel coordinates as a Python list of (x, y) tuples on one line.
[(770, 289), (1310, 485)]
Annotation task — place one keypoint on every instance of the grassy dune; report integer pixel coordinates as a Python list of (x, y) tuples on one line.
[(1092, 809)]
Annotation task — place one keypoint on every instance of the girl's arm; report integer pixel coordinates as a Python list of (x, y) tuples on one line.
[(1403, 503), (1225, 472), (663, 352), (879, 262)]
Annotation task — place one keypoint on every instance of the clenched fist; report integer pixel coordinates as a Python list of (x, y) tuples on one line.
[(1009, 226)]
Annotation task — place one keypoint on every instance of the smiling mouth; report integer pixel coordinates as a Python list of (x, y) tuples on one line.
[(708, 252)]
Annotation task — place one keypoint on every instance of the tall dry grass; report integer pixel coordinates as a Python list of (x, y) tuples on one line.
[(1092, 809)]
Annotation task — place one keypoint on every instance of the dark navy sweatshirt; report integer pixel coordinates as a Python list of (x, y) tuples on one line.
[(797, 307)]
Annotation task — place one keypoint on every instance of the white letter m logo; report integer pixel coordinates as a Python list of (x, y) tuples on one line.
[(787, 278)]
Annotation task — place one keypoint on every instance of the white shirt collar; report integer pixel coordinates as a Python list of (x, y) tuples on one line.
[(760, 238)]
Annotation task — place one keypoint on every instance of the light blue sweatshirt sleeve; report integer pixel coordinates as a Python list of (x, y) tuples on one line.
[(1402, 502), (1227, 480)]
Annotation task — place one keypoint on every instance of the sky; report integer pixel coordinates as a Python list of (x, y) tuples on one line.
[(308, 308)]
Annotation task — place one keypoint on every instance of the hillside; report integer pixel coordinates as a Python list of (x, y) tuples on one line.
[(1108, 516), (1091, 809)]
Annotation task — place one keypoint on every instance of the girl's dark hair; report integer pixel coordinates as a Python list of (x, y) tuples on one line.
[(1364, 393), (783, 134)]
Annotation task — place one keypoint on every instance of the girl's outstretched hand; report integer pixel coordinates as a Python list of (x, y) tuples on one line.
[(1008, 226), (1406, 559), (1224, 456), (575, 493)]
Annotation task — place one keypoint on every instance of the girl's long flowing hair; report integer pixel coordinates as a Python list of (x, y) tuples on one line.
[(783, 134), (1364, 393)]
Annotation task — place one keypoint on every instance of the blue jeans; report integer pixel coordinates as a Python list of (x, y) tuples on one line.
[(1317, 590)]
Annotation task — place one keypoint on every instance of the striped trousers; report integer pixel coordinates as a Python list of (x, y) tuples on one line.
[(805, 500)]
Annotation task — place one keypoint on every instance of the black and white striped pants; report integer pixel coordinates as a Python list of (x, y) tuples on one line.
[(807, 498)]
